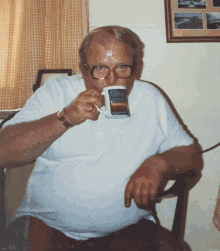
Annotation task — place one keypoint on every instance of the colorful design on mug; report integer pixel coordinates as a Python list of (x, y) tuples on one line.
[(118, 102)]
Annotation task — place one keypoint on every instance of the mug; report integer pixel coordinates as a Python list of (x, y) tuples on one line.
[(116, 105)]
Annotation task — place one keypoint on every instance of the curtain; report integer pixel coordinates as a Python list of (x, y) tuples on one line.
[(37, 34)]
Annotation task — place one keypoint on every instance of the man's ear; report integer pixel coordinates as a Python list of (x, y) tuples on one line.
[(80, 68), (134, 76), (83, 71), (85, 74)]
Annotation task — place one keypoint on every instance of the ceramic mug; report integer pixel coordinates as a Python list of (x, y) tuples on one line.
[(116, 105)]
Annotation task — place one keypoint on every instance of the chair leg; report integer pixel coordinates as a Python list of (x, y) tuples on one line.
[(179, 222)]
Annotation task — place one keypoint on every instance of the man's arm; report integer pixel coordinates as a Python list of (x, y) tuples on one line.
[(23, 143), (181, 159), (144, 182)]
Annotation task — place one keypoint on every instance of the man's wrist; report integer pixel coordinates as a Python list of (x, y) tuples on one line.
[(159, 162), (61, 115)]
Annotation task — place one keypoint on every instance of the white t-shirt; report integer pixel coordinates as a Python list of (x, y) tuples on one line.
[(77, 185)]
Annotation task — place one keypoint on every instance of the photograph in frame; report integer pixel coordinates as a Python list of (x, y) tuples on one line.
[(186, 4), (213, 20), (45, 76), (192, 20), (216, 3), (188, 21)]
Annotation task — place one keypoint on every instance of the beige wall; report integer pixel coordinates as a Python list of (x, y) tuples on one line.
[(189, 73)]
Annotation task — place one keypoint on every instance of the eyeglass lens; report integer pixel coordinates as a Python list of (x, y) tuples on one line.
[(121, 71)]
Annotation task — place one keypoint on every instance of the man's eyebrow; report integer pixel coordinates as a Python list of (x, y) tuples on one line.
[(120, 63), (103, 64)]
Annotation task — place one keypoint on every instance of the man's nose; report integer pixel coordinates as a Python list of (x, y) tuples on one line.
[(112, 79)]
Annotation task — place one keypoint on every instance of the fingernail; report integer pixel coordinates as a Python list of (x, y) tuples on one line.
[(126, 204)]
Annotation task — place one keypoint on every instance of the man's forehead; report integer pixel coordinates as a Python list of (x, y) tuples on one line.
[(108, 46), (103, 38), (109, 52)]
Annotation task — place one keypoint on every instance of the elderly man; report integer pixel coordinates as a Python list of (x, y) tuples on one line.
[(93, 176)]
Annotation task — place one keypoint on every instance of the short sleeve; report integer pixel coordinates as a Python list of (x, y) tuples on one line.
[(42, 103), (174, 133), (49, 98)]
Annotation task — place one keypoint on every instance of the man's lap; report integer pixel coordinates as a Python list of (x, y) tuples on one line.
[(44, 238), (135, 237)]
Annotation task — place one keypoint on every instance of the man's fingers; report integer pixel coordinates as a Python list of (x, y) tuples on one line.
[(88, 107), (93, 92), (152, 190), (142, 190), (144, 194), (92, 114), (91, 101), (93, 96), (137, 193), (128, 194)]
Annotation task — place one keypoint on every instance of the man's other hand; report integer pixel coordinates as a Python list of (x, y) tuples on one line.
[(143, 184)]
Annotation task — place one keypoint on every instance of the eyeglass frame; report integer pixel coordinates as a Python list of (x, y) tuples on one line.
[(91, 70)]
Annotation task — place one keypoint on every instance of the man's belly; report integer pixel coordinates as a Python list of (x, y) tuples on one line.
[(82, 201)]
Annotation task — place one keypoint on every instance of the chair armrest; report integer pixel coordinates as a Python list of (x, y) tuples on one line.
[(177, 186)]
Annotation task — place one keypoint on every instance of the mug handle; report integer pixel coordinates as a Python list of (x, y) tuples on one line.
[(100, 110)]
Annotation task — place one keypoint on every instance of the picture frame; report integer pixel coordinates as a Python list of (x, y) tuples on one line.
[(192, 20), (6, 113), (45, 76)]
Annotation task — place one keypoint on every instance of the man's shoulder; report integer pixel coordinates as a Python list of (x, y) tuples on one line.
[(74, 82), (147, 87)]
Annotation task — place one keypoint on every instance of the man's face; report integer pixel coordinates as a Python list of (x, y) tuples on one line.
[(111, 53)]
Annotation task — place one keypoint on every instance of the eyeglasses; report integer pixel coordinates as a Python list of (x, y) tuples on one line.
[(102, 72)]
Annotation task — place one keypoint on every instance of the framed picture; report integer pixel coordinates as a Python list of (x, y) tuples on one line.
[(192, 20), (6, 113), (45, 76)]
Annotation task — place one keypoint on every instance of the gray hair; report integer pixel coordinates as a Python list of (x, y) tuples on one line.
[(125, 35)]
